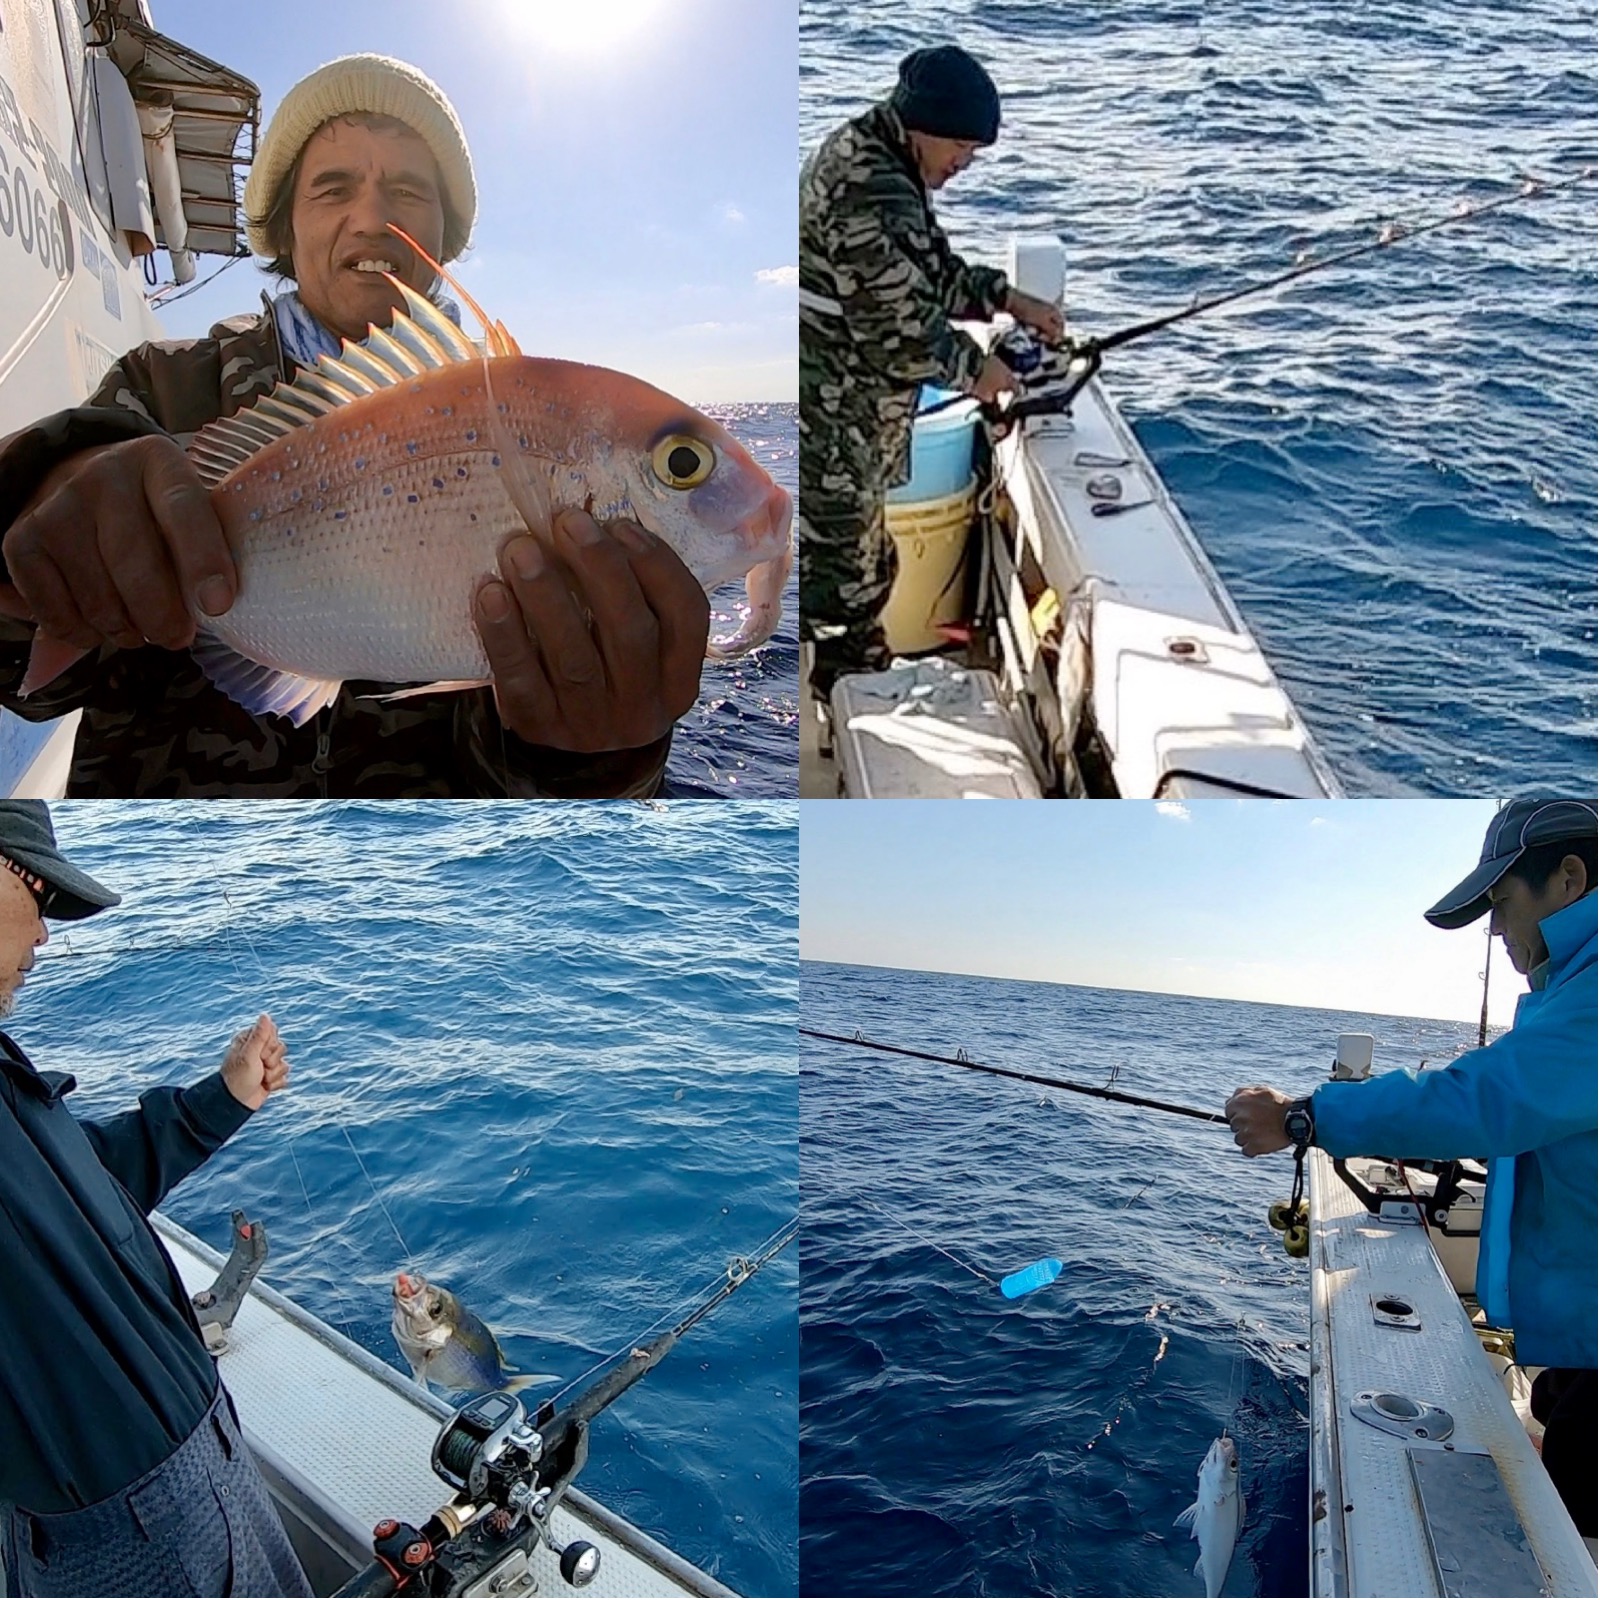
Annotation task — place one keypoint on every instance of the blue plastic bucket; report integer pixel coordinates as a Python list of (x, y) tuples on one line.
[(941, 449)]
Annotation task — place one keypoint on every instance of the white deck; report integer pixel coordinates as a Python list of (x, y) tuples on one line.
[(1156, 650), (360, 1437), (1367, 1531)]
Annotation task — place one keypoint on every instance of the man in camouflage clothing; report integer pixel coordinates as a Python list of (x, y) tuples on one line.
[(110, 544), (879, 287)]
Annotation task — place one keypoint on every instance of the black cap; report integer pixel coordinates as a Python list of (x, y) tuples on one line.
[(943, 91), (27, 838), (1516, 826)]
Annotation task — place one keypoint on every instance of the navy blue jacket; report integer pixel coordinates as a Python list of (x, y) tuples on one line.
[(103, 1371), (1528, 1103)]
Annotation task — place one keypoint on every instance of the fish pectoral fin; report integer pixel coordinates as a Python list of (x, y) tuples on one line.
[(259, 689), (1198, 1566), (443, 686), (1185, 1518)]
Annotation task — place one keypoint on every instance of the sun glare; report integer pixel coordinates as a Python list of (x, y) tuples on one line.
[(582, 27)]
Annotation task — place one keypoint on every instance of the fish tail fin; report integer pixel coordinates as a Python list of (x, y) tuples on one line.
[(47, 660), (1185, 1518), (763, 588), (497, 340), (526, 1380)]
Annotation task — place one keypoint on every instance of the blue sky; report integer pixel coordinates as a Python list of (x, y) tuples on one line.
[(635, 165), (1293, 902)]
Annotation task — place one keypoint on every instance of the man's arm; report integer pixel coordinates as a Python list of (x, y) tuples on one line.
[(1533, 1086), (890, 264), (151, 1150)]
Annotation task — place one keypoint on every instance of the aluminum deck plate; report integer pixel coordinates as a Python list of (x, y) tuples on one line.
[(1368, 1531)]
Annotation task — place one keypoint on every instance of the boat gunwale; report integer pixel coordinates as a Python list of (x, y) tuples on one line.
[(645, 1547)]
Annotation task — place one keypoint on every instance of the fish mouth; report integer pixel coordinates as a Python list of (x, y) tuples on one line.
[(407, 1287)]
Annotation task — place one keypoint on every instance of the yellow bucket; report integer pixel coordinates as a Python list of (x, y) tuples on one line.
[(930, 537)]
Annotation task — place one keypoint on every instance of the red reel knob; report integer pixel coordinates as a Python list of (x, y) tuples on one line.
[(386, 1529)]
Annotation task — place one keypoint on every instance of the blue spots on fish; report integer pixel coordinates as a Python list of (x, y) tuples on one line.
[(461, 472), (1038, 1275), (494, 461), (411, 447), (294, 497), (388, 488), (339, 516), (255, 516), (413, 498), (276, 477), (447, 411), (522, 442), (361, 463), (472, 435), (438, 483)]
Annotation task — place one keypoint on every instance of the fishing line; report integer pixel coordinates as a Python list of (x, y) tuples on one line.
[(274, 998), (963, 1060), (994, 1283), (738, 1272)]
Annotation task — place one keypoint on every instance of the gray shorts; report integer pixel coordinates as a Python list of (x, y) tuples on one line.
[(201, 1523)]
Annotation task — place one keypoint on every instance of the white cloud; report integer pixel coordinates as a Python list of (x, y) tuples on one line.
[(779, 277), (732, 214), (1175, 809)]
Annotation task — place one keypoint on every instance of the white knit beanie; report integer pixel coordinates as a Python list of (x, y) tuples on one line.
[(385, 87)]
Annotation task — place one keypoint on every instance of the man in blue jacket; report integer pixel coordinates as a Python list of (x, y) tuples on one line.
[(1526, 1102), (122, 1470)]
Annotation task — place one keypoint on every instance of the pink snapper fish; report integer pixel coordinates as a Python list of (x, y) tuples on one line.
[(367, 501)]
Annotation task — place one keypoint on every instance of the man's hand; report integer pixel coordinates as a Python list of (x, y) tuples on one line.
[(595, 637), (995, 379), (119, 544), (255, 1065), (1256, 1117), (1046, 319)]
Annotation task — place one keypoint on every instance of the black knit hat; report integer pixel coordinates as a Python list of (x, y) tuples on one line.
[(943, 91), (27, 838)]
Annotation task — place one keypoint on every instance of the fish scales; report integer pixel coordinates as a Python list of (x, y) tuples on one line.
[(362, 537)]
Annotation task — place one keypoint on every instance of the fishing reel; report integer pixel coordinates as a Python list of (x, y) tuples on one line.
[(508, 1473), (1049, 377)]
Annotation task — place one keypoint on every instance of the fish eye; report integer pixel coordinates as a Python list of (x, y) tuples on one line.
[(681, 461), (436, 1306)]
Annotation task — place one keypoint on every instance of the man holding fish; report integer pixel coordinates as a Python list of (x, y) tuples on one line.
[(235, 529)]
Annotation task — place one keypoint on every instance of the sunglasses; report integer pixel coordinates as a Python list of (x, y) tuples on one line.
[(43, 893)]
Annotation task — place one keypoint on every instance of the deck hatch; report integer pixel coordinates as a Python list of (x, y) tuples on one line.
[(1476, 1539)]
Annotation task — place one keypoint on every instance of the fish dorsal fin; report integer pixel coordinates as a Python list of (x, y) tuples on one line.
[(497, 341), (420, 339)]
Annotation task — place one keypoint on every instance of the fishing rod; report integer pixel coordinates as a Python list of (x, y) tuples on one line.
[(510, 1471), (1083, 358), (963, 1060)]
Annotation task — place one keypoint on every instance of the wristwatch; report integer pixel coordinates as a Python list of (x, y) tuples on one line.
[(1299, 1126)]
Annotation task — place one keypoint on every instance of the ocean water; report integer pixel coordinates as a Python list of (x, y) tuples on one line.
[(1392, 465), (560, 1041), (742, 738), (953, 1442)]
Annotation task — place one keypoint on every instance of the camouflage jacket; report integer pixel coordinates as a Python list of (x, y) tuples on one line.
[(152, 722), (870, 247)]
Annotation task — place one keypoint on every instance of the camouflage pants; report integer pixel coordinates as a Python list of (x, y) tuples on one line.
[(847, 567)]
